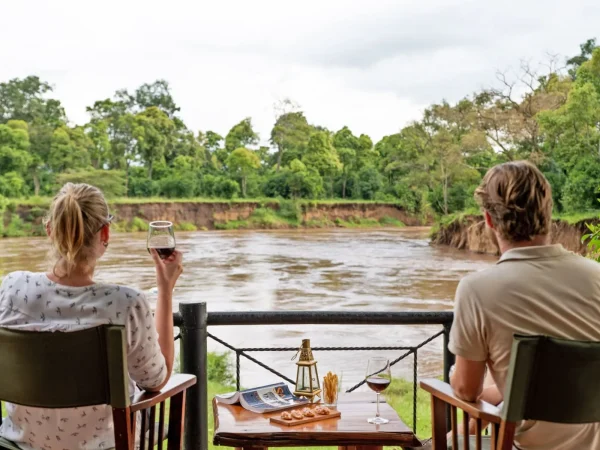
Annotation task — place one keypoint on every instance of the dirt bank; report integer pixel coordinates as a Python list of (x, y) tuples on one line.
[(469, 233), (213, 215)]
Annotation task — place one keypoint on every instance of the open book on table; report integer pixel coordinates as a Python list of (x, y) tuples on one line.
[(273, 397)]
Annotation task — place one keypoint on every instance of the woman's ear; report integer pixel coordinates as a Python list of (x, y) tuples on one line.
[(48, 229), (105, 233), (488, 220)]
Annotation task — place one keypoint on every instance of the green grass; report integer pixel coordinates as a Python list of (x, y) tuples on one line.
[(260, 218), (391, 222), (573, 218), (319, 223), (185, 226), (361, 222)]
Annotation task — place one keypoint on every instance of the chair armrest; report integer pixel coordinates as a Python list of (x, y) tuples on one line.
[(477, 410), (176, 384)]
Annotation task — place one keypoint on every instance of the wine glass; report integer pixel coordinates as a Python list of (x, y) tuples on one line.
[(379, 377), (161, 238)]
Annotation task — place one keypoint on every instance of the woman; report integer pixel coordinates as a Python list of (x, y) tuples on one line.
[(68, 299)]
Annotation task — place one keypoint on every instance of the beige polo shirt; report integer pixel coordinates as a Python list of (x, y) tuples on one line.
[(532, 290)]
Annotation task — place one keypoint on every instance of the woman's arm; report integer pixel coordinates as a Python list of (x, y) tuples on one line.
[(167, 273)]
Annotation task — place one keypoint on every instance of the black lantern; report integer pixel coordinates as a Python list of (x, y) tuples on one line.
[(307, 378)]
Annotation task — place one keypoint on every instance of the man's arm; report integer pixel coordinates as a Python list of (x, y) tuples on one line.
[(467, 379)]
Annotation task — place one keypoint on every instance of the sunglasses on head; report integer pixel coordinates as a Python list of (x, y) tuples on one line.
[(108, 221)]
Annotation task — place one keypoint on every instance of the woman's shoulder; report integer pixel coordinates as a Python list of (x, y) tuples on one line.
[(131, 294), (21, 276)]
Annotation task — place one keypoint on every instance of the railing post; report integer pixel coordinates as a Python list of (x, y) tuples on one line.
[(194, 361), (448, 361), (448, 356)]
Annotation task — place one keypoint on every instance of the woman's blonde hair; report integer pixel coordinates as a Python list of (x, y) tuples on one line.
[(518, 198), (78, 212)]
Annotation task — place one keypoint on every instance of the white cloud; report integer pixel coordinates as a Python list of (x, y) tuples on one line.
[(370, 65)]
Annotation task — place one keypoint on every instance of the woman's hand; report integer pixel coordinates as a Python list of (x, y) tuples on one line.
[(168, 269)]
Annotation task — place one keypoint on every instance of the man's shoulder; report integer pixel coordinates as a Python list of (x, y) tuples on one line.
[(479, 279)]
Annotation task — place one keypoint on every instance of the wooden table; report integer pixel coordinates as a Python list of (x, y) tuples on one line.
[(238, 427)]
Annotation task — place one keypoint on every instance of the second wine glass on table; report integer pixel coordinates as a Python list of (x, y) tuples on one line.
[(161, 237), (379, 377)]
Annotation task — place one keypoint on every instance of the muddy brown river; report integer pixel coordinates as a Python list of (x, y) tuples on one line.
[(353, 270)]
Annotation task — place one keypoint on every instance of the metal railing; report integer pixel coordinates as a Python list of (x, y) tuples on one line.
[(193, 321)]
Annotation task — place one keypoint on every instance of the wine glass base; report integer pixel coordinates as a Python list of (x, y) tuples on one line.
[(378, 421)]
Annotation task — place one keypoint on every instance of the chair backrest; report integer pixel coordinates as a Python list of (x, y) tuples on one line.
[(553, 380), (64, 370)]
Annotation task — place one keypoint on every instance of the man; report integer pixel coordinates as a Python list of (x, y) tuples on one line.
[(535, 289)]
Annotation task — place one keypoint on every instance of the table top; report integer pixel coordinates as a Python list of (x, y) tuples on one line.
[(238, 427)]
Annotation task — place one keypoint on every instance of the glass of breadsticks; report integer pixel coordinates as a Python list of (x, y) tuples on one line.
[(332, 384)]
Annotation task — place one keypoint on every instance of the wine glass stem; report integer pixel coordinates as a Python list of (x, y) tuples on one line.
[(377, 415)]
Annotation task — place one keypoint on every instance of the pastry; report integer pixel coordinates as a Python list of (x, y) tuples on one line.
[(297, 415), (323, 410), (286, 415), (308, 412)]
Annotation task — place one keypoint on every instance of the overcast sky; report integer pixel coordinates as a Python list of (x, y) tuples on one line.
[(372, 65)]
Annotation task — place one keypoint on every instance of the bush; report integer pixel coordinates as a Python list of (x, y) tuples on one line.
[(12, 185), (221, 187), (16, 227), (369, 182), (138, 224), (227, 188), (391, 222), (185, 226), (110, 182), (219, 368), (580, 191), (178, 186), (142, 187), (290, 210)]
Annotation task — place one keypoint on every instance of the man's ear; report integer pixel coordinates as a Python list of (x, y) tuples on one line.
[(488, 220)]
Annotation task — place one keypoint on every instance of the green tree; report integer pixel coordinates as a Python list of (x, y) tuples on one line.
[(153, 132), (321, 156), (241, 135), (69, 149), (586, 51), (243, 162), (290, 136)]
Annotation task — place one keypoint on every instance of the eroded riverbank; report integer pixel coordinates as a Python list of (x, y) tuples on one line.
[(27, 220), (469, 233)]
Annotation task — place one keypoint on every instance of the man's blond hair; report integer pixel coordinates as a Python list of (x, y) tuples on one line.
[(518, 198)]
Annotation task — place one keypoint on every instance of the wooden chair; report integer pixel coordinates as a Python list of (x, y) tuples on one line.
[(549, 379), (86, 368)]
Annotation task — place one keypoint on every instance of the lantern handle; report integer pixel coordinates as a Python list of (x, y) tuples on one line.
[(297, 353)]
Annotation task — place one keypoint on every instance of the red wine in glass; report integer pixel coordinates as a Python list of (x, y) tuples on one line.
[(378, 384), (379, 377), (161, 238)]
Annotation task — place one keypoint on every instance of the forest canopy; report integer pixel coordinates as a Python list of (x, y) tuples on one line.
[(136, 144)]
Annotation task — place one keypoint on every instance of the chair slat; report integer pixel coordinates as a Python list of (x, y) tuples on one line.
[(151, 428), (479, 438), (161, 425), (143, 430), (176, 421), (495, 436), (465, 431), (454, 427)]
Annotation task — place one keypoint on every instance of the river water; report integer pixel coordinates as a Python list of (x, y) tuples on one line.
[(350, 270)]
